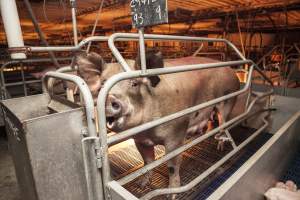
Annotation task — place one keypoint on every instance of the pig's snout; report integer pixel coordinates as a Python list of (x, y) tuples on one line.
[(115, 113), (113, 106)]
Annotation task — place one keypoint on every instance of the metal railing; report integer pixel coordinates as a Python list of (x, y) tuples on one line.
[(23, 82), (93, 180), (105, 141), (97, 146)]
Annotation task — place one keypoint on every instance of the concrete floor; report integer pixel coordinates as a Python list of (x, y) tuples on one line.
[(8, 182)]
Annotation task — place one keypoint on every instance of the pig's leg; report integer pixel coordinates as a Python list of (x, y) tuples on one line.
[(223, 111), (174, 166), (147, 153)]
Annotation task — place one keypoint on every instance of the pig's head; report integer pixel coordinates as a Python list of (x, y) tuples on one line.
[(94, 71), (131, 102)]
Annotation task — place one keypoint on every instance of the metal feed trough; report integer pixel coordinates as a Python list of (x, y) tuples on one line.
[(46, 142), (65, 128)]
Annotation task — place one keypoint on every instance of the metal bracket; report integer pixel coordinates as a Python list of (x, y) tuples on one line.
[(98, 151), (24, 49)]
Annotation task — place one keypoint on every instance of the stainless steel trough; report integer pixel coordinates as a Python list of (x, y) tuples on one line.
[(45, 143)]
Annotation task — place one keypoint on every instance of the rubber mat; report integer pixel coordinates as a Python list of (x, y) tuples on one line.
[(196, 160)]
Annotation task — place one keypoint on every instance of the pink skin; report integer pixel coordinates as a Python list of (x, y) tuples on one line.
[(283, 191)]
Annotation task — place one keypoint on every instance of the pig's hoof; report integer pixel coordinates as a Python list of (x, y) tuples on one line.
[(145, 182), (220, 146)]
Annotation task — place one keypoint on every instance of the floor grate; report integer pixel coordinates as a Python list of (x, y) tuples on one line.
[(195, 161)]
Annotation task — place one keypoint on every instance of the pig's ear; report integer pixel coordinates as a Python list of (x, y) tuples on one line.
[(91, 62), (154, 59)]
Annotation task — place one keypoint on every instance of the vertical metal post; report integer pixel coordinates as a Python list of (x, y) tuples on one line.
[(74, 22), (230, 139), (39, 32), (12, 26), (142, 50), (23, 79)]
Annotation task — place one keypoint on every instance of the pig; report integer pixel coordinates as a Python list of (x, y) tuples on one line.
[(136, 101), (283, 191)]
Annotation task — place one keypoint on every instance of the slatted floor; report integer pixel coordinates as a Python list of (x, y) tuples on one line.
[(195, 160)]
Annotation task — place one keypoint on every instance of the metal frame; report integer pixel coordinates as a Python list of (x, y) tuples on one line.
[(105, 141), (23, 82), (100, 144), (94, 182)]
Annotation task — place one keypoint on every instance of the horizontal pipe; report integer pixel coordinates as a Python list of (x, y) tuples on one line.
[(183, 148), (134, 131), (33, 60), (87, 96), (22, 61), (134, 74), (207, 172), (114, 37), (131, 132), (21, 83), (131, 37)]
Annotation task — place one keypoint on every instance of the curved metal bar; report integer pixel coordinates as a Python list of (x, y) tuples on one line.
[(127, 36), (60, 70), (134, 74), (87, 96)]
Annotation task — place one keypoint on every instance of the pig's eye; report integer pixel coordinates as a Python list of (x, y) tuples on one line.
[(103, 82), (134, 83)]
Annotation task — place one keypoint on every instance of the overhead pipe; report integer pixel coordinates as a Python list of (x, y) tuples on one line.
[(12, 26), (39, 31)]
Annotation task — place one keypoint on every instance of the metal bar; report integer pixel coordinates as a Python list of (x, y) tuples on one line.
[(133, 74), (125, 36), (95, 25), (129, 133), (262, 74), (297, 48), (22, 83), (39, 31), (23, 80), (230, 138), (117, 54), (7, 64), (87, 96), (195, 181), (183, 148), (142, 50), (88, 156), (132, 37), (74, 21), (60, 70)]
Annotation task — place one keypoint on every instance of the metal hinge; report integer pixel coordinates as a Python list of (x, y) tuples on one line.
[(98, 151)]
